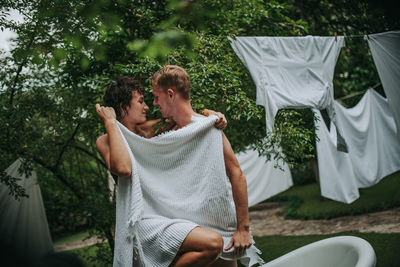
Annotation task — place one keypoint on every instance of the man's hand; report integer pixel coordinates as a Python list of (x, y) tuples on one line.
[(241, 240), (106, 114), (221, 122)]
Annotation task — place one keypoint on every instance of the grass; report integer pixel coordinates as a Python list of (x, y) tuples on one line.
[(386, 246), (305, 202), (95, 255), (88, 252)]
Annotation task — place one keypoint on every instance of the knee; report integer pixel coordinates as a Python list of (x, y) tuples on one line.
[(215, 246)]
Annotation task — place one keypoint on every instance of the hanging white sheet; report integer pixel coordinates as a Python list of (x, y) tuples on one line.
[(385, 49), (23, 223), (263, 180), (374, 150), (336, 177), (292, 72)]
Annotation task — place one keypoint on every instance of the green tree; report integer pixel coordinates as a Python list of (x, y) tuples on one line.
[(65, 53)]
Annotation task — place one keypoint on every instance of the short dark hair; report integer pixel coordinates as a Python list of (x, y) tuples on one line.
[(119, 93)]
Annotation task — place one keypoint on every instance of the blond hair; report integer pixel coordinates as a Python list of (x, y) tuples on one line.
[(172, 77)]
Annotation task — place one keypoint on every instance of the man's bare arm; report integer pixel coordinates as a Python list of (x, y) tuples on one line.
[(241, 239)]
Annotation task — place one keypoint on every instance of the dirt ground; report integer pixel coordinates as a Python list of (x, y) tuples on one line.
[(77, 244), (265, 221)]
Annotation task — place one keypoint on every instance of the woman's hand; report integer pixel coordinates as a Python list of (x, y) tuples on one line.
[(106, 114), (221, 122)]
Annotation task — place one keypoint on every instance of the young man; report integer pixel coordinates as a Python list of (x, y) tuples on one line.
[(160, 210), (202, 247)]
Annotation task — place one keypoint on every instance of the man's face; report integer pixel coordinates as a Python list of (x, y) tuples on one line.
[(161, 100)]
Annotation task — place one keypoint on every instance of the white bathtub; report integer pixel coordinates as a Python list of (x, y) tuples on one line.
[(340, 251)]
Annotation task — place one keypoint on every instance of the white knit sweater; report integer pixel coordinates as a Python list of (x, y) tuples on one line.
[(178, 175)]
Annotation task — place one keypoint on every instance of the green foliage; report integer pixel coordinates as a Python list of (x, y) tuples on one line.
[(15, 184), (15, 190), (345, 16), (355, 73), (89, 257), (292, 139), (102, 256), (303, 174)]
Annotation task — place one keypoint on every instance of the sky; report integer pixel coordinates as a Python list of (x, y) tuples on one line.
[(4, 37), (6, 34)]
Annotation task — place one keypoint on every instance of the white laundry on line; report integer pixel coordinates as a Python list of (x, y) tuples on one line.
[(263, 179), (374, 150), (385, 49), (292, 72)]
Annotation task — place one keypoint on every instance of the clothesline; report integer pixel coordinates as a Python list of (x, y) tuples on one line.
[(357, 93), (345, 36), (355, 35)]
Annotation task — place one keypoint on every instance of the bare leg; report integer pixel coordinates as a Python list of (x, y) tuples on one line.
[(224, 263), (200, 248)]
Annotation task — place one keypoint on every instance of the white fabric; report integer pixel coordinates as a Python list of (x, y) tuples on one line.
[(294, 72), (177, 175), (263, 179), (385, 49), (160, 238), (336, 176), (23, 223), (374, 150)]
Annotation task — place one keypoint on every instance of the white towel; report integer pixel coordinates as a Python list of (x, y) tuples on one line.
[(178, 175)]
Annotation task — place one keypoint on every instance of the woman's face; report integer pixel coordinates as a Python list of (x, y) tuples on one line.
[(136, 112)]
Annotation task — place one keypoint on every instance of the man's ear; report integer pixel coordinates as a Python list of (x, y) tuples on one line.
[(171, 93)]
